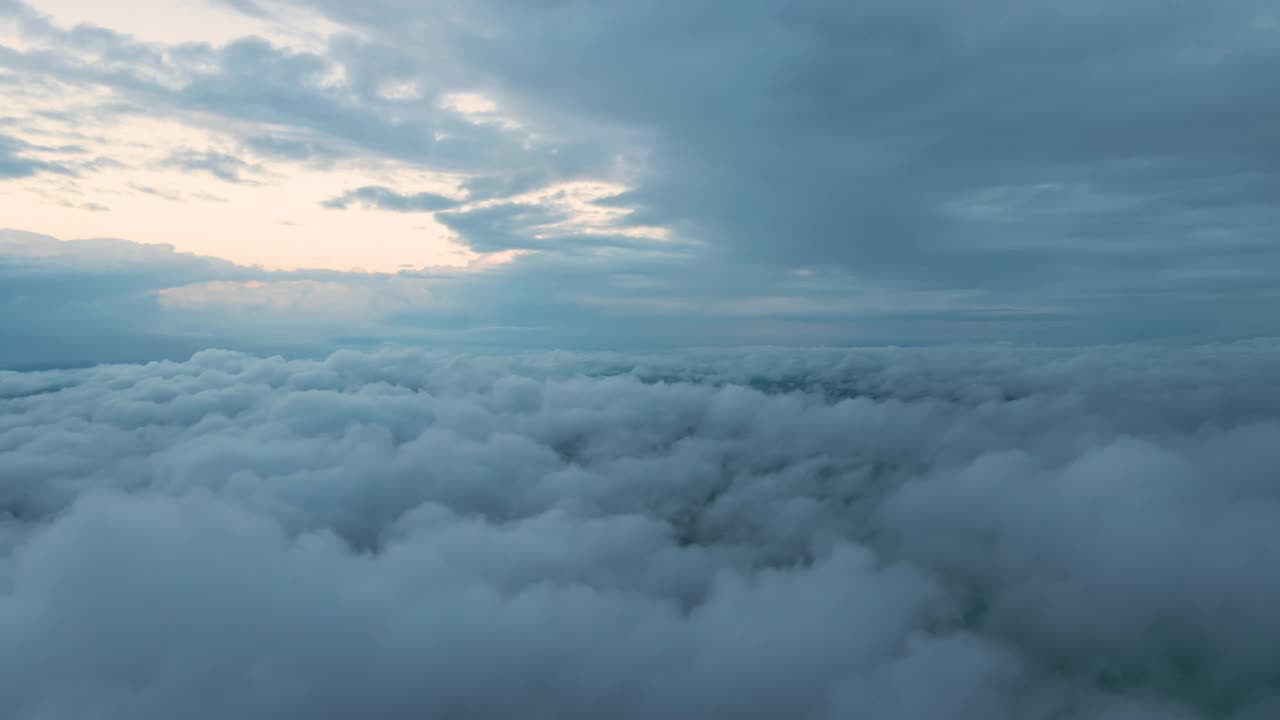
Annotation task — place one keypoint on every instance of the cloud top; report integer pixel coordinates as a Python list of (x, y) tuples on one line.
[(810, 534)]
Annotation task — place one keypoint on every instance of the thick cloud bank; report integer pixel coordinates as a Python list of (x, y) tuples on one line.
[(873, 534)]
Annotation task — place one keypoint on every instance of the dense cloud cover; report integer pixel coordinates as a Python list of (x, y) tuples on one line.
[(74, 303), (996, 533), (1084, 172)]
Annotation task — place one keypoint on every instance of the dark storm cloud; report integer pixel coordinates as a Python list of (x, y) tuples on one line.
[(810, 534)]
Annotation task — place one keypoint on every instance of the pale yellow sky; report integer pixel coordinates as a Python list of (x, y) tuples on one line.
[(275, 220), (274, 217), (178, 21)]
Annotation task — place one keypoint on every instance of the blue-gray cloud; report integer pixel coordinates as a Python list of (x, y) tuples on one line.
[(87, 302), (248, 7), (897, 534), (15, 162), (291, 148), (383, 198), (994, 532), (220, 165), (1099, 148), (84, 302), (169, 195), (1111, 164), (523, 226)]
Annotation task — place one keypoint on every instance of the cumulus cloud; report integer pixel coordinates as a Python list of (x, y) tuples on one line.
[(991, 533)]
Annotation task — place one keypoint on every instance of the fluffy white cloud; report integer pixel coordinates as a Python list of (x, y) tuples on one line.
[(807, 534)]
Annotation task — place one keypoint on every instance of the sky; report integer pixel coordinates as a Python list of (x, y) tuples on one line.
[(640, 174), (569, 359)]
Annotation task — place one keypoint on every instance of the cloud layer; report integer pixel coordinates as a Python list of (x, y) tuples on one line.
[(1108, 167), (808, 534), (83, 302)]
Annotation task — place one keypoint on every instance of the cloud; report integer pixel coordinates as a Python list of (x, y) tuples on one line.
[(267, 94), (995, 532), (850, 129), (248, 7), (83, 302), (291, 148), (1081, 154), (89, 301), (318, 302), (501, 227), (383, 198), (16, 162), (856, 173), (169, 195), (225, 167), (992, 533)]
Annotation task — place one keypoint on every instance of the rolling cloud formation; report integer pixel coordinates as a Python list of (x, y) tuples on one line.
[(998, 533)]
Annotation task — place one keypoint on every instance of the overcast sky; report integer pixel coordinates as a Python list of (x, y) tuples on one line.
[(643, 173), (493, 359)]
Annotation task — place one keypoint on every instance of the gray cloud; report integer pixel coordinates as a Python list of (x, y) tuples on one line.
[(248, 7), (169, 195), (1087, 174), (85, 302), (383, 198), (501, 227), (15, 162), (220, 165), (977, 532), (291, 148), (282, 100), (899, 534), (1073, 153), (853, 129)]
